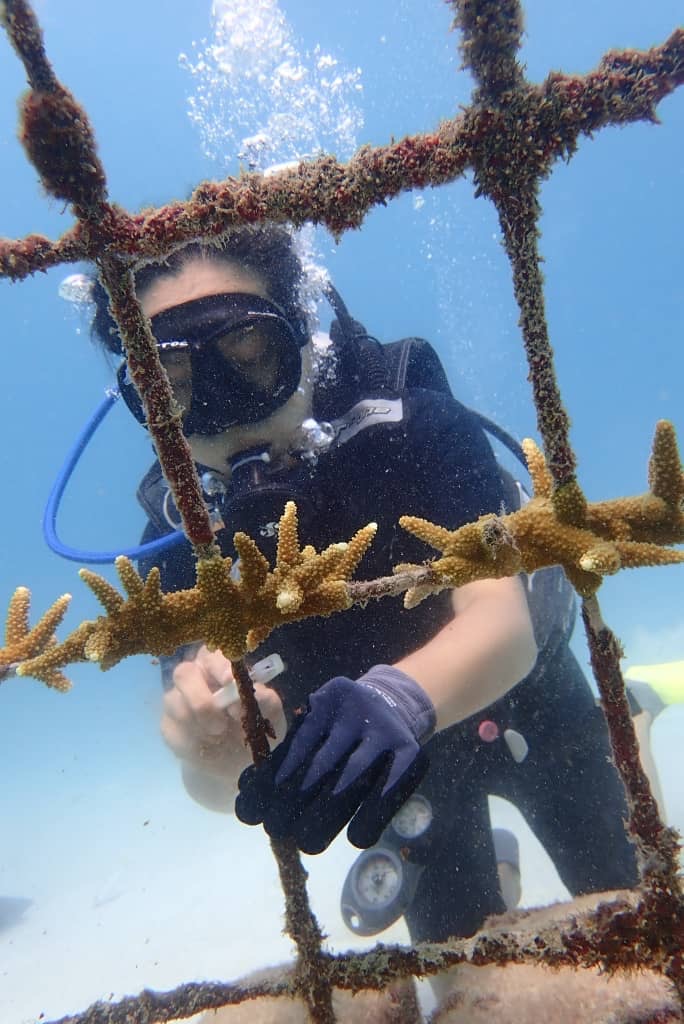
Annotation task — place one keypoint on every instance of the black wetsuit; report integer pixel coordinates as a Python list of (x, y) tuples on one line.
[(420, 452)]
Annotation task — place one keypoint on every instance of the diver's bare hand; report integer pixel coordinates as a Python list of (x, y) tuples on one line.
[(201, 719)]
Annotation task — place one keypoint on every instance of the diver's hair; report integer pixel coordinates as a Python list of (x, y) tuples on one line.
[(267, 251)]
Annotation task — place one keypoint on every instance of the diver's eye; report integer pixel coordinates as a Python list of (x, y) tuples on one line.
[(179, 371), (244, 345)]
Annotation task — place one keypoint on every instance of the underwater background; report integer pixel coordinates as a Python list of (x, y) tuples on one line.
[(111, 879)]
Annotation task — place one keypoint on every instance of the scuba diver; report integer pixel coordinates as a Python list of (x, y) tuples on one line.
[(385, 720)]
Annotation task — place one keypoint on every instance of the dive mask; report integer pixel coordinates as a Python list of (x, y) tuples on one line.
[(232, 359)]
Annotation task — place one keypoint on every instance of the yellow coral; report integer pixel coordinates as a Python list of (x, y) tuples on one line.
[(560, 528), (22, 642), (232, 612)]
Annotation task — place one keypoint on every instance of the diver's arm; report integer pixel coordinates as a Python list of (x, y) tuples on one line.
[(480, 654), (366, 734)]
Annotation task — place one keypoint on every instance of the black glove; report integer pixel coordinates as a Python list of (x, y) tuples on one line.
[(354, 756)]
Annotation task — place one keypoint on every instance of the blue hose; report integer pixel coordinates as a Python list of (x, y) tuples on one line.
[(57, 493)]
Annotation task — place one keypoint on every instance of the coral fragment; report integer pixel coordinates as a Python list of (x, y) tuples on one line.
[(24, 644), (589, 541), (232, 614)]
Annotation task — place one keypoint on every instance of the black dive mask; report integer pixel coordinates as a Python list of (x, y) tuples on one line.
[(231, 359)]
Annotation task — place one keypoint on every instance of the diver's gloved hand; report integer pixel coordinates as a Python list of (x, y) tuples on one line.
[(355, 756)]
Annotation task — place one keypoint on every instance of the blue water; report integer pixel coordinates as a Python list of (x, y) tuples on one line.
[(83, 772)]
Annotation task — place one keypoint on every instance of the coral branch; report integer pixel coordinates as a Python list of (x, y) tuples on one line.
[(23, 643), (232, 615), (237, 615), (559, 528)]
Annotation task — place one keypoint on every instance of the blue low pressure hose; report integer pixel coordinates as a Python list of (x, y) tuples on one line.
[(57, 493)]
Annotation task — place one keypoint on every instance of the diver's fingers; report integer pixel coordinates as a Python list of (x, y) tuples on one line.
[(176, 707), (215, 667), (191, 682)]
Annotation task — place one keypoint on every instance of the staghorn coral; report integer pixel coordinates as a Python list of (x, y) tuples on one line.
[(558, 527), (23, 642), (234, 615)]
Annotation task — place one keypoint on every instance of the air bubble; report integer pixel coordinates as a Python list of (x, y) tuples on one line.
[(252, 80), (76, 288)]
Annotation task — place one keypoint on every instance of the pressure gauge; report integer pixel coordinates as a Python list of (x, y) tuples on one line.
[(414, 818), (372, 894), (382, 881), (379, 879)]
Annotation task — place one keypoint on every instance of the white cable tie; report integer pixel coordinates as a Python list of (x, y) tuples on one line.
[(261, 672), (267, 669)]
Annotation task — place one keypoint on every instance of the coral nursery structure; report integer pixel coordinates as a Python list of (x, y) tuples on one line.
[(509, 137)]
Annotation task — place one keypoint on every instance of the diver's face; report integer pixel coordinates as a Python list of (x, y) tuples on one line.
[(198, 279)]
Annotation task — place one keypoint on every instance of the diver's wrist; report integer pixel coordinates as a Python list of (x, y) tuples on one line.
[(402, 691)]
